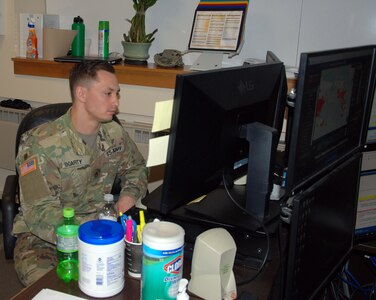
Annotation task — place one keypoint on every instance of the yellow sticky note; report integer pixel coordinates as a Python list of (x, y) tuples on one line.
[(162, 115), (157, 151)]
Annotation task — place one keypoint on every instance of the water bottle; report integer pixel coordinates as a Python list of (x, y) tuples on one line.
[(67, 246), (108, 211), (78, 44)]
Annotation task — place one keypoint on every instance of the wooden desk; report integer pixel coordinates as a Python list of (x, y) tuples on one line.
[(261, 287)]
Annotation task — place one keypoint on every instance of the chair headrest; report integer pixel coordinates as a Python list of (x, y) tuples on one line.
[(39, 116)]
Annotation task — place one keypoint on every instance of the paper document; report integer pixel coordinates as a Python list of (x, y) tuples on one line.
[(157, 151), (47, 294), (162, 115)]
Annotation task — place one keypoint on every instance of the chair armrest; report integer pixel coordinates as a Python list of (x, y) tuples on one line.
[(9, 210)]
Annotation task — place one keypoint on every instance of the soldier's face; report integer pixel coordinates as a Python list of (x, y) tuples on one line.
[(102, 97)]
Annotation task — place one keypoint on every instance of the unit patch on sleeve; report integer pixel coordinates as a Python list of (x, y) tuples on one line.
[(28, 166)]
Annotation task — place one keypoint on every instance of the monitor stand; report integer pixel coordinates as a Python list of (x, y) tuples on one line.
[(208, 60), (217, 210)]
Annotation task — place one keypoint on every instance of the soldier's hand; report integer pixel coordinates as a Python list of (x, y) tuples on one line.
[(125, 203)]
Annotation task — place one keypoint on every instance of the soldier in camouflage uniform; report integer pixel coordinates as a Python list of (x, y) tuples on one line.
[(73, 162)]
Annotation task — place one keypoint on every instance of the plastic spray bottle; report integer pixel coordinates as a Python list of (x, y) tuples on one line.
[(103, 38), (32, 41)]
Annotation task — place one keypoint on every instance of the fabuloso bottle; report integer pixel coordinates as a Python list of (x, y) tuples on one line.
[(162, 260), (32, 41), (103, 38)]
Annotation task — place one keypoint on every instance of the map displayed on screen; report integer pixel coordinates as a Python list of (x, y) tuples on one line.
[(333, 100)]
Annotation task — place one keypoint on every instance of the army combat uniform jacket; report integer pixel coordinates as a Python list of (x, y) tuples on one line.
[(57, 169)]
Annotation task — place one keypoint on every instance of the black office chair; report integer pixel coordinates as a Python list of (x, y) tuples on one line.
[(9, 202)]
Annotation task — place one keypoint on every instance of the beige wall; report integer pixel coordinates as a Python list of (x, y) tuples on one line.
[(136, 101)]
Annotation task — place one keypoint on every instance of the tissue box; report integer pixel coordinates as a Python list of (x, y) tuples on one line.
[(41, 21)]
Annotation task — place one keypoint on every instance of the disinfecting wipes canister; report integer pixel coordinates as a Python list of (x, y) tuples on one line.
[(162, 260), (101, 258)]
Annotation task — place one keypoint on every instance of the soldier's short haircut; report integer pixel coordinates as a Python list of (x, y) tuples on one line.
[(85, 72)]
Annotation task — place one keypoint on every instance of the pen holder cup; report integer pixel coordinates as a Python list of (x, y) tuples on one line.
[(133, 258)]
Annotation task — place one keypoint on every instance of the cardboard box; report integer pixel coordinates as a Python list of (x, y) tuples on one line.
[(57, 42), (41, 21)]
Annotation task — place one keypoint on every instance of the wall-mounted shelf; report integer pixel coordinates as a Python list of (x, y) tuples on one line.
[(145, 75)]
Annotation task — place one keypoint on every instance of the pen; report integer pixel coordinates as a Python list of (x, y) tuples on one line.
[(129, 230), (122, 221)]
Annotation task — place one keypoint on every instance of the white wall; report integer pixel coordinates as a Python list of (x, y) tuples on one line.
[(173, 18), (286, 27), (134, 99), (328, 24)]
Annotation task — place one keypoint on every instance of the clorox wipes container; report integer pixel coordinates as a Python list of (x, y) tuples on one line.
[(162, 260), (101, 253)]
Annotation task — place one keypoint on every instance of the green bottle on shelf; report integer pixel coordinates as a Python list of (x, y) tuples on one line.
[(78, 44), (103, 38), (67, 246)]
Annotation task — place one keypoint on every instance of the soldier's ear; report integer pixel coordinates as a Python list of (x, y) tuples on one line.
[(81, 93)]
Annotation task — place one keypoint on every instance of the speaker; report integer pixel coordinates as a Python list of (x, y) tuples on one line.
[(213, 258)]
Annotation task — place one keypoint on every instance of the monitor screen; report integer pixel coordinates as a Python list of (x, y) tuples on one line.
[(332, 99), (365, 228), (210, 110), (217, 30), (321, 231)]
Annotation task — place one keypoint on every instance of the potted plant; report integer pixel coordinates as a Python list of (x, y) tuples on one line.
[(136, 43)]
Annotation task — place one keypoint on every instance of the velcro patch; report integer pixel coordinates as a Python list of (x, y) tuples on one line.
[(114, 150), (77, 162), (28, 166)]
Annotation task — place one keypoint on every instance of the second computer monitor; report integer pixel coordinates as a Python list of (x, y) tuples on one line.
[(333, 96)]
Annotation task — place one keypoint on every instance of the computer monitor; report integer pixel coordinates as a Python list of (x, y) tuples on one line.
[(365, 228), (271, 57), (216, 30), (211, 110), (332, 99), (321, 231), (371, 133)]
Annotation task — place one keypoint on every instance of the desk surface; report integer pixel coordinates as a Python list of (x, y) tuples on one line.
[(261, 287)]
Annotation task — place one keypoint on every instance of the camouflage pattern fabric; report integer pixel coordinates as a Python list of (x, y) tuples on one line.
[(33, 258), (57, 169)]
